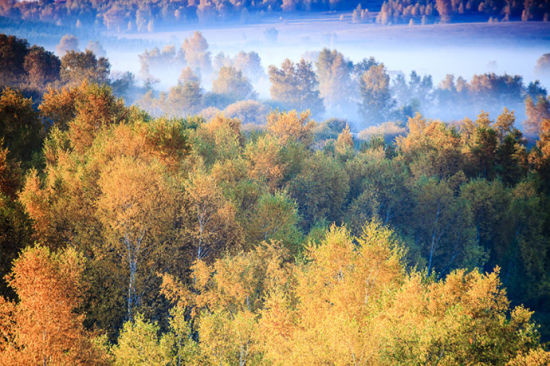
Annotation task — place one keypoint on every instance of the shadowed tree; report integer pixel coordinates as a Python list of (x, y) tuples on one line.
[(77, 67), (295, 86), (42, 67), (377, 102)]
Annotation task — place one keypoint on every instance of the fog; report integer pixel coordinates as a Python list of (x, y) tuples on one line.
[(438, 49)]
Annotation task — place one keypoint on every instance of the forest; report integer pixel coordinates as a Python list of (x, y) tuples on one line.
[(193, 226), (143, 16)]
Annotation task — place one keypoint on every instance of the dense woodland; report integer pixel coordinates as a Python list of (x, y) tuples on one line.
[(143, 16), (134, 239)]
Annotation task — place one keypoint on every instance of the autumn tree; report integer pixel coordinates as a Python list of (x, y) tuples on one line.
[(42, 67), (265, 161), (77, 67), (225, 297), (136, 205), (195, 51), (210, 218), (276, 218), (536, 111), (320, 189), (335, 84), (140, 343), (341, 310), (232, 83), (344, 142), (46, 329), (219, 139), (291, 126), (182, 100), (444, 8), (431, 148), (15, 229)]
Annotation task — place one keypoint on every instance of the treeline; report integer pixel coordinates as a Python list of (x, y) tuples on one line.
[(325, 82), (186, 240), (146, 16), (429, 11), (33, 69)]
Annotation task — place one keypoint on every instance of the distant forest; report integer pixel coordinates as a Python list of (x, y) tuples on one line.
[(143, 16)]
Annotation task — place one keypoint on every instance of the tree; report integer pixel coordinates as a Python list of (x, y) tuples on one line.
[(344, 142), (247, 111), (249, 63), (543, 65), (444, 8), (375, 94), (139, 344), (341, 310), (291, 127), (96, 48), (15, 228), (264, 161), (195, 51), (137, 206), (536, 112), (295, 86), (219, 139), (187, 75), (20, 128), (276, 219), (210, 218), (77, 67), (46, 329), (431, 148), (224, 297), (183, 100), (443, 227), (320, 190), (335, 85), (232, 83), (13, 52), (42, 67)]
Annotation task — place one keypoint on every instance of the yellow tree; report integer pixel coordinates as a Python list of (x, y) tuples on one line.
[(43, 327), (210, 218), (137, 206), (338, 293), (224, 298), (264, 161), (431, 148), (344, 142), (291, 126)]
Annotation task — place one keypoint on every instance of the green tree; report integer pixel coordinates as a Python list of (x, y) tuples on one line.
[(295, 86), (20, 128), (376, 100)]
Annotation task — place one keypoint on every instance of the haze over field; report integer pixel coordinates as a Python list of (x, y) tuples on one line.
[(439, 49)]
